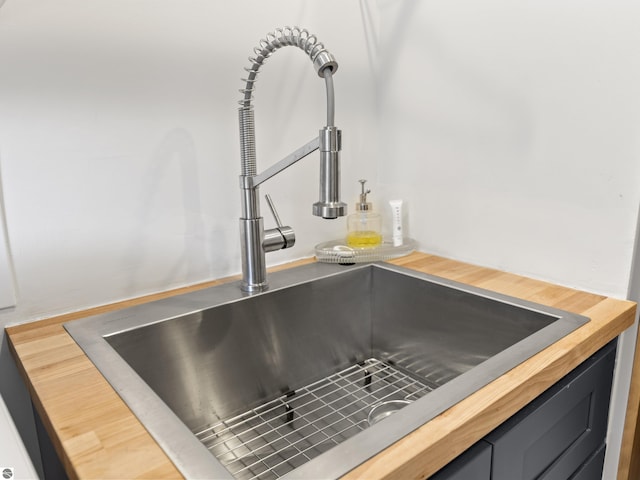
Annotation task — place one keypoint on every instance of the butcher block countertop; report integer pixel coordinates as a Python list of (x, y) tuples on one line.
[(96, 435)]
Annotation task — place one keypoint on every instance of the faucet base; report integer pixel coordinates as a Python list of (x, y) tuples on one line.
[(254, 270), (254, 288)]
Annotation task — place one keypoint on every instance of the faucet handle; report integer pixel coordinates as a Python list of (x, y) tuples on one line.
[(274, 212), (280, 237)]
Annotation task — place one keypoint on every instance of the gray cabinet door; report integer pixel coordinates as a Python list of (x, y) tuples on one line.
[(560, 430), (592, 469), (474, 464)]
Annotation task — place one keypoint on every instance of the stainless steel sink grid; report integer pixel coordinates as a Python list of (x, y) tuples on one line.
[(271, 440), (187, 363)]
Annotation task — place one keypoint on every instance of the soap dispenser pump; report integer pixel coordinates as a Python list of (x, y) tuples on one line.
[(364, 227)]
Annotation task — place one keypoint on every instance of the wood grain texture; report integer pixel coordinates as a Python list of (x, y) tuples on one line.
[(97, 436), (629, 465)]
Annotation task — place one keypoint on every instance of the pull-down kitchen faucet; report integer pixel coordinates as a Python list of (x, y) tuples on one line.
[(255, 241)]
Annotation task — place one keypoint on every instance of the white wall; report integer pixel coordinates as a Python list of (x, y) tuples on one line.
[(511, 130), (119, 153), (514, 129), (119, 139)]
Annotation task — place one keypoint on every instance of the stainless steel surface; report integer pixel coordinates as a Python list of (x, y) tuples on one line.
[(271, 440), (186, 362), (280, 237), (255, 241), (274, 212), (295, 156), (384, 409), (283, 37), (329, 206)]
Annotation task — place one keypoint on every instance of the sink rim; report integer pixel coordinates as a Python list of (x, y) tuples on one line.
[(194, 460)]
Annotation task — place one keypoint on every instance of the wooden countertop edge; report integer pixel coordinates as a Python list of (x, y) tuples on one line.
[(88, 448)]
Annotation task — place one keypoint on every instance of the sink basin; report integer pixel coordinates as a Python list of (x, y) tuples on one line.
[(282, 383)]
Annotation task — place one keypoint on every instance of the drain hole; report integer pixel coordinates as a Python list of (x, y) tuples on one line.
[(383, 409)]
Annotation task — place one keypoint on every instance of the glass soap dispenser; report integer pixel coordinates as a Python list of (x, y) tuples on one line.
[(364, 227)]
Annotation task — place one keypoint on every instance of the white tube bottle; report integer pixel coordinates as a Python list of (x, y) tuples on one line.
[(396, 219)]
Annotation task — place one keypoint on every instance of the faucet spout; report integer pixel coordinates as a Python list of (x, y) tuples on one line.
[(255, 242), (329, 205)]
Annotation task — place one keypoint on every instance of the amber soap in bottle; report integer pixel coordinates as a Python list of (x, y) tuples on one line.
[(364, 227)]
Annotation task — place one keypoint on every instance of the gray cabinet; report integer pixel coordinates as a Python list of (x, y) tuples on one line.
[(474, 464), (559, 436), (592, 469)]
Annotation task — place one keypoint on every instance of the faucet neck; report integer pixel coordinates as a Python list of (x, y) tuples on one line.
[(255, 242)]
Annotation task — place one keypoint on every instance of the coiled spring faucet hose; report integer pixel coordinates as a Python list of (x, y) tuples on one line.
[(324, 63)]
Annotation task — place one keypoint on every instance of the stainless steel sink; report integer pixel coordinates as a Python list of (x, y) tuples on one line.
[(282, 383)]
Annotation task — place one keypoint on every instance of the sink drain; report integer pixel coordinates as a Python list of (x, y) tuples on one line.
[(384, 409)]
